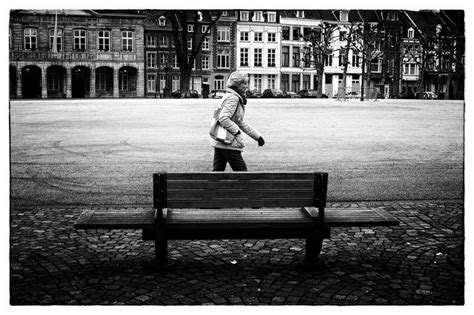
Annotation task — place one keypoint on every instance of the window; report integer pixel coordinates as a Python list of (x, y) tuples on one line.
[(54, 82), (123, 80), (244, 36), (31, 38), (223, 34), (79, 40), (286, 32), (151, 41), (271, 57), (258, 36), (190, 28), (244, 57), (175, 83), (244, 15), (296, 56), (258, 16), (162, 83), (328, 60), (300, 14), (271, 17), (223, 60), (101, 80), (285, 82), (59, 36), (225, 13), (306, 82), (342, 56), (163, 59), (205, 62), (162, 21), (342, 35), (285, 56), (163, 41), (355, 59), (271, 37), (204, 28), (219, 82), (205, 43), (104, 40), (190, 43), (258, 82), (411, 33), (151, 59), (127, 40), (375, 65), (271, 81), (343, 16), (151, 83), (257, 62), (174, 61), (296, 33)]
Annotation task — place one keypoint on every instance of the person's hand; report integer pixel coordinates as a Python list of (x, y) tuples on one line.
[(261, 142)]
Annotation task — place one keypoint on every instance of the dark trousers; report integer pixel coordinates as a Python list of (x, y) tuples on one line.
[(233, 157)]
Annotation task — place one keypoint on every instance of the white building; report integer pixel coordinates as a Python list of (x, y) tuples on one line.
[(258, 48)]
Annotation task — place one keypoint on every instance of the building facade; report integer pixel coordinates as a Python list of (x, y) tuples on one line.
[(76, 54), (258, 48), (118, 53)]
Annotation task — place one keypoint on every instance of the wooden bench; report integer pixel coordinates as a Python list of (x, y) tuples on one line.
[(238, 205)]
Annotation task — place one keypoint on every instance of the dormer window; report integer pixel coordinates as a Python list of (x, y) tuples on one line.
[(411, 33), (344, 16), (225, 13), (244, 15), (162, 21), (200, 16), (392, 16), (258, 16), (300, 14), (271, 16)]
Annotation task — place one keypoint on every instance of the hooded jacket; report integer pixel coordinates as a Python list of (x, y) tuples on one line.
[(232, 119)]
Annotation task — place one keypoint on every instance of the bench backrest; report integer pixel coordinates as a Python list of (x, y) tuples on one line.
[(239, 190)]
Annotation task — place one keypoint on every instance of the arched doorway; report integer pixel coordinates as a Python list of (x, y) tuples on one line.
[(55, 81), (80, 87), (104, 82), (31, 82), (128, 82), (13, 82)]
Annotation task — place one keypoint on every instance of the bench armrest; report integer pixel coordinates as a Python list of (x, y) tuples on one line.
[(312, 212)]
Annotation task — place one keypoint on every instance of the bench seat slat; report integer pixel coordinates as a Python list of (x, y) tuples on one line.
[(238, 194), (240, 184), (239, 203), (214, 176), (116, 219)]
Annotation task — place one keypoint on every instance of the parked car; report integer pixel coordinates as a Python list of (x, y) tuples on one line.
[(253, 94), (217, 94), (273, 93), (308, 93), (176, 94), (194, 94), (430, 95), (291, 94), (352, 94)]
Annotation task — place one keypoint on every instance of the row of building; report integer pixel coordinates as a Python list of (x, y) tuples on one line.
[(125, 53)]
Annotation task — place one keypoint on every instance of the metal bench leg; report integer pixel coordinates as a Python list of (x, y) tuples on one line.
[(161, 247), (313, 246)]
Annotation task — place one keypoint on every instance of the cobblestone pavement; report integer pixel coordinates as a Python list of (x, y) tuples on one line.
[(420, 262)]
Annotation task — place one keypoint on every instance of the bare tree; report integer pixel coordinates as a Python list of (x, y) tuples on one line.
[(320, 41), (180, 20)]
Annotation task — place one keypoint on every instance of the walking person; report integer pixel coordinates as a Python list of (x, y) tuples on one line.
[(230, 116)]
